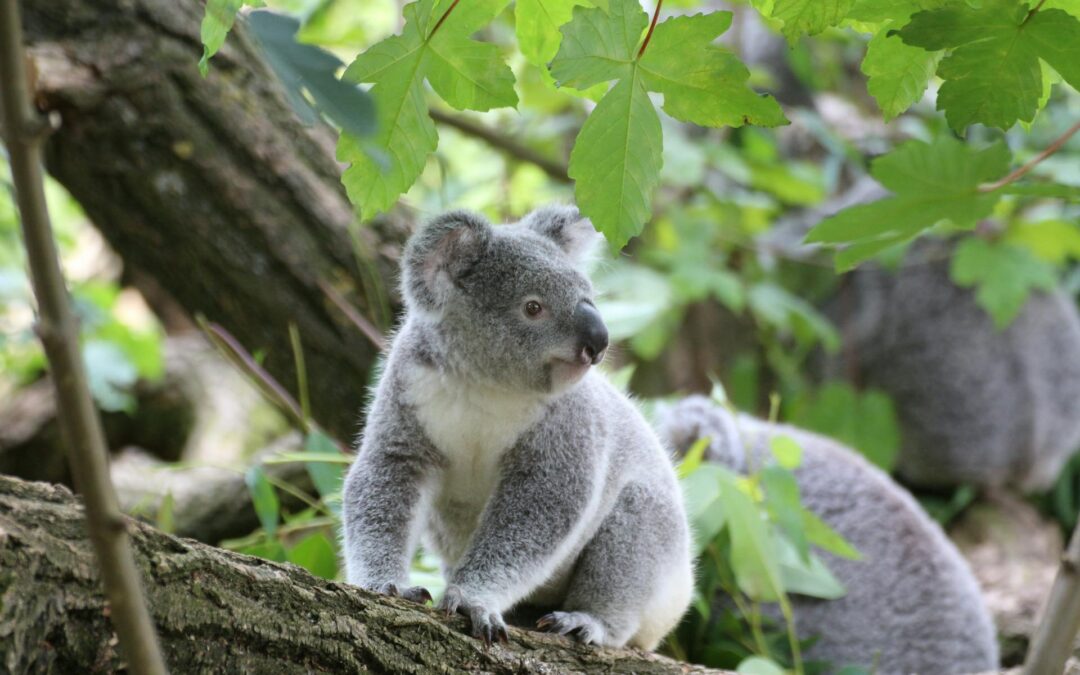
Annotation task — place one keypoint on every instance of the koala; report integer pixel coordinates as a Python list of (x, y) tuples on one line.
[(492, 439), (912, 604), (976, 404)]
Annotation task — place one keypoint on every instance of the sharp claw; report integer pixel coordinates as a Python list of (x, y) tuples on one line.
[(545, 622), (425, 596), (504, 637)]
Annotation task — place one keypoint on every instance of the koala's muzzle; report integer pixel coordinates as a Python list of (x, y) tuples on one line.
[(591, 333)]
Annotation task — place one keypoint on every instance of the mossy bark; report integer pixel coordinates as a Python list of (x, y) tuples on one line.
[(221, 612), (212, 186)]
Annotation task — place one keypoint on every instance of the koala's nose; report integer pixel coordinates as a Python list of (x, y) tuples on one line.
[(591, 331)]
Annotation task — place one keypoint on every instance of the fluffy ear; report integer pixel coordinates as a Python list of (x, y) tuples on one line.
[(565, 226), (439, 254)]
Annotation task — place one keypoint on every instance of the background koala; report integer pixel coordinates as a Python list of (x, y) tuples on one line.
[(976, 404), (530, 475), (912, 604)]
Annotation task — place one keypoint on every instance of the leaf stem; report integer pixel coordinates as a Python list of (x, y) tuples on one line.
[(446, 14), (1032, 13), (652, 26), (1050, 149)]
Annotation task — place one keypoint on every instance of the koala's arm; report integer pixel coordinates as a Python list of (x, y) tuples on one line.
[(383, 498), (545, 491)]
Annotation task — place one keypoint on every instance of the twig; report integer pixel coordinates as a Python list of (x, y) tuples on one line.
[(556, 170), (79, 423), (362, 324), (1050, 149), (1032, 13), (652, 27), (1053, 640), (271, 388)]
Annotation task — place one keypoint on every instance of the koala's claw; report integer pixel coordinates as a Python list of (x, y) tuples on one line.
[(487, 624), (578, 625), (417, 594)]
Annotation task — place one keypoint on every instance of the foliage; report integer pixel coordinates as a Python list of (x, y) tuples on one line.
[(754, 540)]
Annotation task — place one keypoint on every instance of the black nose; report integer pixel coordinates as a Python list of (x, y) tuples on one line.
[(591, 331)]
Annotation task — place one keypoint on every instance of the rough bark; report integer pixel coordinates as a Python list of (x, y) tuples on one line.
[(223, 612), (212, 186)]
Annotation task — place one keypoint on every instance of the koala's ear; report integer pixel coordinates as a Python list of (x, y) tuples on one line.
[(439, 253), (565, 226)]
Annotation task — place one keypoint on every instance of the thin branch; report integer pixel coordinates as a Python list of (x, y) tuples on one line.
[(80, 425), (1053, 640), (1032, 13), (1050, 149), (556, 170), (362, 324), (652, 27), (442, 18), (271, 388)]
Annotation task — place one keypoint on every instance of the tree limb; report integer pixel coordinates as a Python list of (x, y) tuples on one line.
[(228, 613), (1053, 640), (555, 170), (79, 422)]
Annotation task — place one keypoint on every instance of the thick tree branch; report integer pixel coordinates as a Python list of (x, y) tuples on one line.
[(79, 422), (228, 613)]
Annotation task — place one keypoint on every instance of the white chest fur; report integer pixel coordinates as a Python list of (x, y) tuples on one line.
[(472, 425)]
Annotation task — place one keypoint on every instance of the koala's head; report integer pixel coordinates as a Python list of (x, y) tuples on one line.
[(510, 304)]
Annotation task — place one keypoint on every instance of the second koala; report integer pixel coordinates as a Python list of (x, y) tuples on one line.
[(490, 436)]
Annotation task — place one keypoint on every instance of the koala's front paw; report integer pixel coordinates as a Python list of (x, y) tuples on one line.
[(415, 593), (487, 622)]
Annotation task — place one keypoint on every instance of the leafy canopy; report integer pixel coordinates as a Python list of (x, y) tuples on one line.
[(434, 45), (992, 74), (617, 157)]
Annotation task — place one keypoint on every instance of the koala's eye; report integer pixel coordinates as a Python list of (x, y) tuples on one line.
[(533, 308)]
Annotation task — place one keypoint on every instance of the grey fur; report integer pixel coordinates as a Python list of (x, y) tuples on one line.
[(976, 404), (531, 476), (912, 605)]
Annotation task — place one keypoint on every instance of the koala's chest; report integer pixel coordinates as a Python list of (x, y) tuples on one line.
[(472, 426)]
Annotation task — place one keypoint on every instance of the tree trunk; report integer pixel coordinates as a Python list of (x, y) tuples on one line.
[(212, 186), (223, 612)]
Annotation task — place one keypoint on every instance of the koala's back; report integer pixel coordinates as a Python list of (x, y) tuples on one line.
[(976, 404), (912, 605)]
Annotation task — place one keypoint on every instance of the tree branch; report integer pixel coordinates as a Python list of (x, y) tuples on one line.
[(1053, 640), (223, 612), (1050, 149), (79, 422), (554, 169)]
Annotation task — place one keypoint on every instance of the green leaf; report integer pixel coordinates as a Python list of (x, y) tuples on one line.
[(931, 182), (787, 451), (701, 83), (165, 519), (616, 161), (217, 22), (759, 665), (865, 420), (537, 25), (1067, 192), (807, 574), (111, 376), (897, 73), (305, 68), (996, 48), (466, 74), (808, 17), (1055, 241), (753, 554), (316, 554), (598, 46), (692, 459), (264, 498), (782, 500), (326, 475), (827, 539), (880, 11), (1002, 275)]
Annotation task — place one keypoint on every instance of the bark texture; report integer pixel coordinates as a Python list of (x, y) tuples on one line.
[(221, 612), (212, 186)]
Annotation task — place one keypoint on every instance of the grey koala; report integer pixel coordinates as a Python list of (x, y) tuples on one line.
[(912, 604), (976, 404), (491, 437)]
